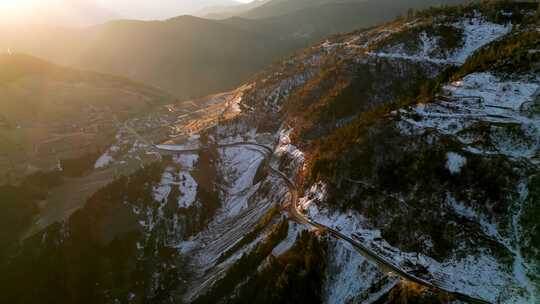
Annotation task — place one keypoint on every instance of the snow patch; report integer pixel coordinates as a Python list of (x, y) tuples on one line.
[(454, 162), (240, 165), (188, 189), (286, 148), (183, 147), (477, 32), (281, 92), (502, 105), (103, 161), (183, 180), (349, 275), (478, 275), (288, 242), (187, 161)]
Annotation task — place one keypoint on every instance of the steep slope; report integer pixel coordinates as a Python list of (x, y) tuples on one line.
[(385, 137), (458, 161), (398, 195), (313, 20)]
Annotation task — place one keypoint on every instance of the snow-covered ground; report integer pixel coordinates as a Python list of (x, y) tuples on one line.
[(477, 32), (180, 147), (479, 275), (187, 161), (183, 180), (503, 105), (454, 162), (243, 204), (288, 242), (285, 148), (103, 161), (483, 97), (240, 164), (106, 158), (349, 276), (274, 101)]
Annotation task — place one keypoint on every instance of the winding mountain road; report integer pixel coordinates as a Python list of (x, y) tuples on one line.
[(363, 250), (366, 252)]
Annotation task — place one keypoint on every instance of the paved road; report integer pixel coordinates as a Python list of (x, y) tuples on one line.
[(294, 212), (382, 262)]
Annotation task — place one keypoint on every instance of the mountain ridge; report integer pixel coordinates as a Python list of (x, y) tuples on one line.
[(203, 57), (417, 138)]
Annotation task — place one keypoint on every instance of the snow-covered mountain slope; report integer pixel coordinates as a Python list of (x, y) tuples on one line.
[(417, 139), (472, 34), (445, 183), (322, 81)]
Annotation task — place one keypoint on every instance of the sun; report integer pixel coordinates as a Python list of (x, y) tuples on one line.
[(13, 9), (15, 5)]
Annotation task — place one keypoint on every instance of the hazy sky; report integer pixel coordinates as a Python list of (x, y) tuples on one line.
[(82, 12)]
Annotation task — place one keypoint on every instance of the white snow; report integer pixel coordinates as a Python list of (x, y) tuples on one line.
[(241, 209), (183, 180), (349, 276), (461, 209), (477, 275), (162, 191), (274, 100), (486, 267), (454, 162), (188, 190), (286, 148), (482, 97), (131, 296), (477, 32), (288, 242), (137, 145), (187, 161), (103, 161), (520, 266), (495, 91), (107, 158), (182, 147), (486, 225), (417, 58), (240, 164)]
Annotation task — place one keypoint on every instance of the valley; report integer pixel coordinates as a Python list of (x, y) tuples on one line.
[(392, 164)]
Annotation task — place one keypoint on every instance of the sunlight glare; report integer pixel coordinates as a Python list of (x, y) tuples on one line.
[(14, 9), (10, 6)]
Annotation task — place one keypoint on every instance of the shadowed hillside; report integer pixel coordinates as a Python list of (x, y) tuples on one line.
[(49, 113)]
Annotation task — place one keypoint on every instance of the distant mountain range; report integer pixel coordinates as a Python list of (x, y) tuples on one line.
[(224, 12), (164, 9), (191, 56)]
